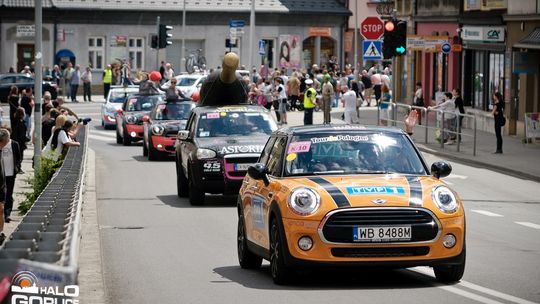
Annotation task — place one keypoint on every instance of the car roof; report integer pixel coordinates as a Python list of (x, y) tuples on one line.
[(336, 128), (231, 108)]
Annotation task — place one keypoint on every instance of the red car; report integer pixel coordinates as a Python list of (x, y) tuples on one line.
[(129, 122)]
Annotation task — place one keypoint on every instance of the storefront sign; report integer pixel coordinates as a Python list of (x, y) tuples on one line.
[(483, 33), (119, 41), (290, 48), (320, 31), (28, 30), (525, 63), (432, 44), (415, 43), (485, 5), (61, 35)]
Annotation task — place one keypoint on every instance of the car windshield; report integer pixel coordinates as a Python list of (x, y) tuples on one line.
[(119, 96), (353, 153), (222, 124), (186, 82), (142, 103), (172, 111)]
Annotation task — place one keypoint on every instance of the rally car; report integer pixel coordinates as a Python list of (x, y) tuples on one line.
[(346, 196), (129, 122), (218, 145), (161, 127), (116, 97)]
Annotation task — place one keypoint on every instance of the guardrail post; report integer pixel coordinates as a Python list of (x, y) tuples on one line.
[(442, 130), (474, 136), (425, 113), (458, 131), (378, 115), (394, 113)]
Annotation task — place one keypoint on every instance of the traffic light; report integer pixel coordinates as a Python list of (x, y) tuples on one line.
[(389, 39), (395, 38), (154, 41), (164, 37)]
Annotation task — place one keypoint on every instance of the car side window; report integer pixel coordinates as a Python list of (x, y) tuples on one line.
[(275, 158), (266, 151), (8, 79), (24, 79)]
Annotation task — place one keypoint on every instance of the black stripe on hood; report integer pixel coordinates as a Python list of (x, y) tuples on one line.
[(339, 198)]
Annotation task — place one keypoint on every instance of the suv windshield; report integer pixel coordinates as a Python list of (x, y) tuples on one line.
[(354, 153), (221, 124), (172, 111), (142, 103), (120, 95)]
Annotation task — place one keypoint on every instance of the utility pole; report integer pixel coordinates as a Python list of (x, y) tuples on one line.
[(183, 59), (38, 83), (356, 40), (251, 34), (157, 49)]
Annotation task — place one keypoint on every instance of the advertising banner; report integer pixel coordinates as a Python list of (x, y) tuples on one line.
[(290, 50)]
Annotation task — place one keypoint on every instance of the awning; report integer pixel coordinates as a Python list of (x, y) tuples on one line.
[(532, 41), (64, 53)]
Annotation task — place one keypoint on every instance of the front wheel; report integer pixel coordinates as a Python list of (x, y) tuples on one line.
[(126, 140), (196, 194), (118, 137), (153, 154), (182, 186), (246, 258), (452, 273), (144, 148), (281, 274)]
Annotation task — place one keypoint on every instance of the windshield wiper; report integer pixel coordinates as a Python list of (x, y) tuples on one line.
[(329, 172)]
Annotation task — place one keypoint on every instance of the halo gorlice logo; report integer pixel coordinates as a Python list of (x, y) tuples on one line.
[(25, 290)]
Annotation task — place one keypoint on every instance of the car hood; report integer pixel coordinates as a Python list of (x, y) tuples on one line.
[(390, 190), (228, 145)]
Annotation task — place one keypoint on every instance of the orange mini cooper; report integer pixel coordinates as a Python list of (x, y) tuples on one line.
[(348, 196)]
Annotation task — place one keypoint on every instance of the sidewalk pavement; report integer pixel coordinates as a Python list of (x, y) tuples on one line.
[(519, 159)]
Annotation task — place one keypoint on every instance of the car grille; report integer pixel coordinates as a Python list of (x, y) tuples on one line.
[(338, 228), (171, 134), (229, 165), (380, 252)]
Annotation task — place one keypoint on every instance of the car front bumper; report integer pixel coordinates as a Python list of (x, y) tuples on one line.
[(163, 144)]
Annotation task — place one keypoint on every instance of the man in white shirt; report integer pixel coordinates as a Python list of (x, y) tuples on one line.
[(349, 103)]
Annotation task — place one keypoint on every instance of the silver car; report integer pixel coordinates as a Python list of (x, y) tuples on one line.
[(115, 99)]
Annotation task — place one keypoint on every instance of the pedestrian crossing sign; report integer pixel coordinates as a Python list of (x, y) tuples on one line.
[(372, 50)]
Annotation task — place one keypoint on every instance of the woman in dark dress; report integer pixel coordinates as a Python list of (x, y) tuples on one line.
[(13, 101), (498, 115), (18, 131)]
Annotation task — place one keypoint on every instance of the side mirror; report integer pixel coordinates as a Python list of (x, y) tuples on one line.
[(145, 118), (258, 171), (183, 134), (441, 169)]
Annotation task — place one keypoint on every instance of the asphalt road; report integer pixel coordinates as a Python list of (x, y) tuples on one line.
[(156, 248)]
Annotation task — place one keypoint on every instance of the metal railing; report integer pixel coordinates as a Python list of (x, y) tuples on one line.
[(393, 109)]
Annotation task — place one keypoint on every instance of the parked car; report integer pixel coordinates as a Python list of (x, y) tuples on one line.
[(348, 196), (21, 81), (129, 119), (188, 83), (116, 97), (216, 148), (161, 127)]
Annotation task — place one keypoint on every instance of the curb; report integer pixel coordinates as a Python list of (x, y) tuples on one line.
[(479, 164)]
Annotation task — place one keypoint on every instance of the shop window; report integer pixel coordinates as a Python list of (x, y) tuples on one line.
[(327, 51), (136, 53), (496, 76), (96, 50)]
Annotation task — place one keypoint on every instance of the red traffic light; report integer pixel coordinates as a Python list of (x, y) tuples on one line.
[(389, 26)]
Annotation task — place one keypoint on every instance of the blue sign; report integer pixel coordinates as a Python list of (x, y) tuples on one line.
[(446, 48), (375, 190), (237, 23), (372, 50), (262, 50)]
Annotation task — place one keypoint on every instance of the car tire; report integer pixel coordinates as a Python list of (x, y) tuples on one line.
[(126, 140), (152, 153), (246, 258), (450, 274), (118, 137), (281, 274), (182, 184), (196, 194), (144, 148)]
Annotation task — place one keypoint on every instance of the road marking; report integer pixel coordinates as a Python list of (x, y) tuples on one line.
[(530, 225), (487, 213), (470, 295), (456, 176), (105, 133), (102, 138)]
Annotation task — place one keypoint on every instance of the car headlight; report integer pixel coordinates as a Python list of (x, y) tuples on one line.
[(131, 119), (158, 130), (445, 199), (304, 201), (205, 153)]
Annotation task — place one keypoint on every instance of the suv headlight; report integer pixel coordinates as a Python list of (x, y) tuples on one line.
[(205, 153), (445, 199), (158, 129), (131, 119), (304, 201)]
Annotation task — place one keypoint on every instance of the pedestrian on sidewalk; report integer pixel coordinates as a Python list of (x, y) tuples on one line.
[(376, 81), (327, 95), (19, 130), (68, 72), (293, 89), (418, 101), (27, 102), (282, 100), (458, 101), (448, 106), (310, 97), (500, 121), (75, 81), (11, 162), (349, 103), (13, 101), (86, 78), (4, 140), (368, 87), (107, 80), (384, 106)]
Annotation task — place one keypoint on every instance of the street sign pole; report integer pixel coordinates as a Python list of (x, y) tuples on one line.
[(157, 49), (183, 52), (251, 33), (38, 83)]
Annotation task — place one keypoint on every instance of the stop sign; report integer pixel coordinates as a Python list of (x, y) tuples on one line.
[(372, 28)]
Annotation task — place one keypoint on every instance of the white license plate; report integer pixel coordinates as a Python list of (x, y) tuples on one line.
[(382, 234), (241, 167)]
